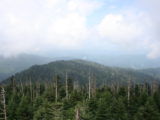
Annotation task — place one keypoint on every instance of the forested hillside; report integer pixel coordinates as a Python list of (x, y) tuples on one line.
[(12, 65), (79, 70), (126, 61), (80, 90), (65, 101), (155, 72)]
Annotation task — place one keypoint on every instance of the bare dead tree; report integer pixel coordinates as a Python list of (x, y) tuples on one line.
[(66, 82), (112, 87), (56, 88), (89, 86), (13, 85), (117, 87), (154, 87), (77, 114), (22, 89), (31, 90), (93, 84), (129, 89), (3, 102), (75, 85), (38, 89)]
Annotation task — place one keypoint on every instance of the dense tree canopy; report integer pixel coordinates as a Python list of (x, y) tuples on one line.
[(36, 101)]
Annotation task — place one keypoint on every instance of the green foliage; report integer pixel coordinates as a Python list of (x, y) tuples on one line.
[(148, 112), (31, 94), (37, 102), (25, 109), (78, 70)]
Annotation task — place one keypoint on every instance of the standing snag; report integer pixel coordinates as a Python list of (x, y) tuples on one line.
[(77, 114), (66, 85), (89, 86), (3, 102), (56, 88)]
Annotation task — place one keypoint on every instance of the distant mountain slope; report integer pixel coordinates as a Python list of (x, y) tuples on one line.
[(79, 70), (9, 66), (127, 61), (155, 72)]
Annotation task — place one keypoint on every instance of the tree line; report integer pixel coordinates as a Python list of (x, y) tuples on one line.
[(67, 100)]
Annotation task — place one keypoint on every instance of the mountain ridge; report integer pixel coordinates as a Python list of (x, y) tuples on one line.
[(155, 72), (79, 70), (12, 65)]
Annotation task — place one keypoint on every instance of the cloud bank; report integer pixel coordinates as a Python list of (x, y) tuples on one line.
[(34, 26)]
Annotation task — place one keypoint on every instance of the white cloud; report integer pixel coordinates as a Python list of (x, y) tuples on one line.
[(125, 29), (152, 8), (83, 7), (131, 30), (28, 26), (155, 50), (118, 30), (69, 31)]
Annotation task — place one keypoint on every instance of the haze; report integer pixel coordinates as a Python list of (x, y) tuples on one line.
[(80, 27)]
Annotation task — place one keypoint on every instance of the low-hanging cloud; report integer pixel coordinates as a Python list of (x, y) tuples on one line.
[(134, 28), (34, 26), (152, 8)]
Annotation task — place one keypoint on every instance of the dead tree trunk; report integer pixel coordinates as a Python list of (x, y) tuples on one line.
[(77, 116), (93, 86), (3, 101), (22, 90), (38, 89), (13, 85), (31, 90), (117, 87), (154, 87), (76, 85), (67, 86), (56, 89), (89, 86), (129, 90)]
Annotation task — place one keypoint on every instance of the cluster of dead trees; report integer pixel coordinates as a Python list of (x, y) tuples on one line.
[(35, 89)]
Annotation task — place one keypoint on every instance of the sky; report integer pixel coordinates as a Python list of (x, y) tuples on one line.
[(45, 27)]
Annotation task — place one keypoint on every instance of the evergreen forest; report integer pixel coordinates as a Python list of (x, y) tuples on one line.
[(68, 100)]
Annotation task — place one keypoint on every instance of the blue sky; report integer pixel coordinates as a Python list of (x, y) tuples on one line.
[(96, 26), (107, 7)]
